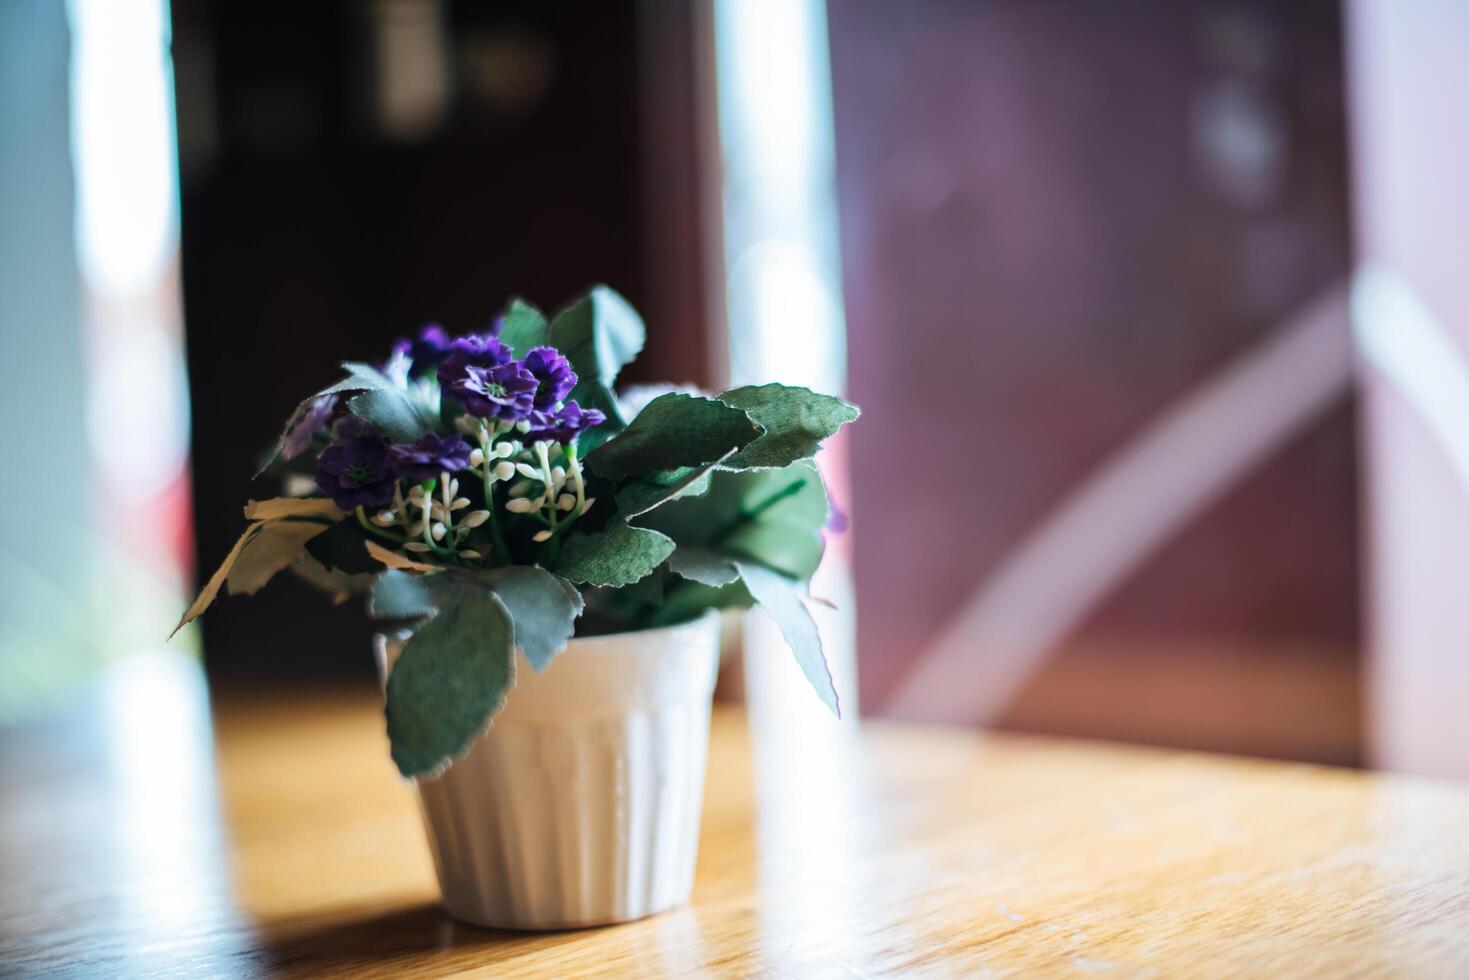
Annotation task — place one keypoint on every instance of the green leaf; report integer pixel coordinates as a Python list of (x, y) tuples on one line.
[(273, 548), (599, 333), (543, 608), (400, 415), (796, 422), (685, 600), (703, 565), (216, 581), (277, 508), (770, 516), (643, 494), (398, 594), (523, 327), (674, 430), (360, 377), (341, 547), (450, 679), (781, 597), (619, 555), (646, 591), (594, 394)]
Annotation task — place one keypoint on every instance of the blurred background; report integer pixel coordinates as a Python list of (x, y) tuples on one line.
[(1153, 310)]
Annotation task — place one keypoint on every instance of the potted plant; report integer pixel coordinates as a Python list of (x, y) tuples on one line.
[(556, 556)]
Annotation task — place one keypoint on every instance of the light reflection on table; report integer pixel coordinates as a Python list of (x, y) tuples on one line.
[(131, 843)]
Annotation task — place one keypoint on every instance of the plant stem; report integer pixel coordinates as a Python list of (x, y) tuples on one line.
[(373, 528), (501, 551)]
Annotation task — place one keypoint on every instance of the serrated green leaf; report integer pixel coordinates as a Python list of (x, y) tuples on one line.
[(643, 494), (647, 591), (543, 608), (781, 598), (600, 334), (703, 565), (399, 594), (770, 516), (796, 422), (341, 547), (450, 679), (273, 548), (398, 414), (685, 600), (360, 377), (674, 430), (619, 555), (594, 394), (523, 327)]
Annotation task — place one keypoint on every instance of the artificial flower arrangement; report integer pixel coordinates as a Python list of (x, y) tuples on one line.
[(494, 492)]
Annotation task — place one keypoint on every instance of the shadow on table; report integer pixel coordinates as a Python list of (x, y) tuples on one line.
[(393, 941)]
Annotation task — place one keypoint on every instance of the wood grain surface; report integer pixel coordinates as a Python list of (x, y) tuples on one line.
[(129, 847)]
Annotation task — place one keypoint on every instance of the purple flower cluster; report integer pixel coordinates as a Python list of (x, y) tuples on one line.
[(431, 455), (421, 357), (479, 371), (361, 470)]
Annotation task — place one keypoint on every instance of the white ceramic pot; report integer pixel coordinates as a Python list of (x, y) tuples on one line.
[(580, 806)]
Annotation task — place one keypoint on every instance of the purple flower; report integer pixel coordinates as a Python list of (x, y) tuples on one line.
[(424, 354), (304, 428), (357, 473), (506, 392), (563, 425), (553, 373), (430, 456), (350, 427), (474, 350)]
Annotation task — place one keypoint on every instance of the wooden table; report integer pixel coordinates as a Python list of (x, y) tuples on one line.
[(129, 845)]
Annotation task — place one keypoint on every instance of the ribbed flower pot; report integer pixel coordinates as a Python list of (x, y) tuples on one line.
[(580, 805)]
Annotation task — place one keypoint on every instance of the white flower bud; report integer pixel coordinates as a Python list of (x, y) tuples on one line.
[(416, 495), (588, 504), (522, 505), (528, 471), (541, 536), (470, 553), (558, 474), (475, 518), (438, 532), (437, 512), (459, 503), (504, 470), (384, 517), (477, 458), (522, 426), (416, 546), (565, 502), (504, 450)]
